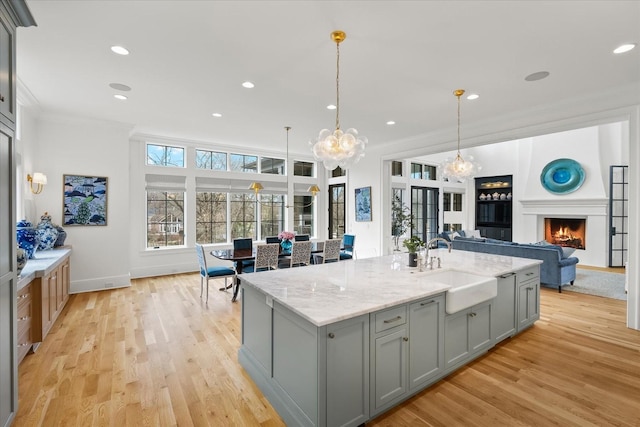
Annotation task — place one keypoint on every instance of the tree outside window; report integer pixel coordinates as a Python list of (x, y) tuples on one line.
[(165, 219)]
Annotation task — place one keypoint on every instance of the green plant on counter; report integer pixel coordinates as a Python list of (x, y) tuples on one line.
[(413, 244)]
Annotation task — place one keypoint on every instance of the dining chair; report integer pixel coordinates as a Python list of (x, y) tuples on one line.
[(243, 243), (331, 252), (272, 239), (301, 237), (300, 253), (348, 243), (267, 256), (212, 272)]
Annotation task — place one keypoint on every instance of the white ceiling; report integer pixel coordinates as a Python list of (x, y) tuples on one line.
[(401, 61)]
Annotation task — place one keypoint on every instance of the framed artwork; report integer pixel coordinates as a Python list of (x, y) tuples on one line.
[(85, 200), (363, 204)]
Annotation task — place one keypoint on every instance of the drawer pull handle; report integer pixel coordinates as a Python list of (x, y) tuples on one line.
[(405, 338), (393, 320), (23, 296), (23, 344), (23, 318), (422, 304), (530, 274), (529, 289), (472, 314), (1, 98), (332, 335)]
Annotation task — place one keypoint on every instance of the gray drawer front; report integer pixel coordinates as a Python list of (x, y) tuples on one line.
[(391, 318)]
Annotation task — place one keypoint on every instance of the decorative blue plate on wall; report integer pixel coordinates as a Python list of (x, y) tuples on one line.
[(562, 176)]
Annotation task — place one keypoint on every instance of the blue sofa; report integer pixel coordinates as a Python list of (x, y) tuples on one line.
[(555, 271)]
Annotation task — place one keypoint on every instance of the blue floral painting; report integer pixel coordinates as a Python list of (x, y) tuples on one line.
[(85, 200), (363, 204)]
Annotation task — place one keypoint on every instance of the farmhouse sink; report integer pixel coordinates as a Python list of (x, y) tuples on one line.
[(467, 289)]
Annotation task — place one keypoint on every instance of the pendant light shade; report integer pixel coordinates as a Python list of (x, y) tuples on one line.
[(459, 169), (338, 148)]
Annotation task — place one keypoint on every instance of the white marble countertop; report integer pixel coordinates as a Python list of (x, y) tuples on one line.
[(43, 263), (327, 293)]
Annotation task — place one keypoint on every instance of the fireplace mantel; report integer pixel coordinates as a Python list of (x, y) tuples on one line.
[(565, 206)]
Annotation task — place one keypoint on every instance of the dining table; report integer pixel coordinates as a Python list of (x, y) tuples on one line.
[(249, 254)]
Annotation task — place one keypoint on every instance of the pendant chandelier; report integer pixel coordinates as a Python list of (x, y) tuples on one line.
[(313, 189), (338, 148), (459, 169)]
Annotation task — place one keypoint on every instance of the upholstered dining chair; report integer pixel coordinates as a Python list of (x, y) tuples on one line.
[(212, 272), (267, 256), (331, 252), (243, 243), (348, 243), (300, 253), (301, 237), (272, 239)]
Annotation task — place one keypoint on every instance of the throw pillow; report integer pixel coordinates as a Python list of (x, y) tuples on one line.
[(454, 235), (567, 251)]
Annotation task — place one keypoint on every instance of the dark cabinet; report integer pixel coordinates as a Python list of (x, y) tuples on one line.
[(493, 206)]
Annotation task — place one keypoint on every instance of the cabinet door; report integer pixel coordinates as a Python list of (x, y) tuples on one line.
[(66, 281), (53, 294), (480, 327), (456, 337), (47, 314), (426, 345), (348, 372), (390, 367), (528, 304), (7, 67), (503, 317)]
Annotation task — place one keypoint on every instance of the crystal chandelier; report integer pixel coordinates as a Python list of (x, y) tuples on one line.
[(338, 148), (459, 169)]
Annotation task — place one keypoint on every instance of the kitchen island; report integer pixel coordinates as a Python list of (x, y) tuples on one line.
[(338, 344)]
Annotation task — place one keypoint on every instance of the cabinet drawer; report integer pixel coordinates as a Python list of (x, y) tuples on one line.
[(24, 293), (24, 309), (528, 274), (24, 332), (391, 318)]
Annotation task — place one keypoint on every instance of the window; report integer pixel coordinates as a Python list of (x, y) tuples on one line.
[(416, 171), (429, 172), (271, 214), (211, 217), (457, 202), (452, 227), (303, 214), (419, 171), (164, 155), (211, 160), (242, 214), (165, 219), (243, 163), (272, 166), (338, 172), (396, 168), (446, 202), (303, 168)]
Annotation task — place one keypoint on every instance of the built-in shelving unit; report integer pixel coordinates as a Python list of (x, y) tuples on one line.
[(494, 196)]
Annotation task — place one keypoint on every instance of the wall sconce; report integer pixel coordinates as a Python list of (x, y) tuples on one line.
[(39, 179)]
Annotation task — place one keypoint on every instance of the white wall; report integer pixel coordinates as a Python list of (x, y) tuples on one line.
[(62, 146)]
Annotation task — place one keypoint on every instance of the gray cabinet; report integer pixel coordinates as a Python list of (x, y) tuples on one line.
[(426, 341), (467, 334), (348, 372), (407, 350), (13, 14), (503, 316), (528, 303)]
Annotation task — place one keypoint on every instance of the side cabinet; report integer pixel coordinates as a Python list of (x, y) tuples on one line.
[(467, 334), (25, 316), (52, 292), (426, 341), (528, 295), (503, 317)]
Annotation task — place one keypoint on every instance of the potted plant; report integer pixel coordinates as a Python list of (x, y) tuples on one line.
[(412, 245), (401, 219)]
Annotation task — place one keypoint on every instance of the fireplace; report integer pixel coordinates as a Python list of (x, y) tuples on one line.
[(570, 232)]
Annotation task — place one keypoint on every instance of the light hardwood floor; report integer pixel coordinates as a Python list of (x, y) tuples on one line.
[(154, 354)]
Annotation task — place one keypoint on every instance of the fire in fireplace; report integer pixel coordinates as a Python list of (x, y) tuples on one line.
[(569, 232)]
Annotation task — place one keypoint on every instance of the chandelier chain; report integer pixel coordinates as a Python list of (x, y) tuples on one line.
[(338, 85)]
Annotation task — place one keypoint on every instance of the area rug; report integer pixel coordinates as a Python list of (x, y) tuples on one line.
[(600, 283)]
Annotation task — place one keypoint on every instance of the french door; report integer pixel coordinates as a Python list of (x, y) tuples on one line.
[(336, 211), (424, 208), (618, 215)]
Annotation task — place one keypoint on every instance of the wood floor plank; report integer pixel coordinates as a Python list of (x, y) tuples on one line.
[(155, 354)]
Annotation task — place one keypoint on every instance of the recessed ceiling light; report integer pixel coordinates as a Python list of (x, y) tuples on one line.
[(119, 86), (391, 122), (537, 76), (216, 114), (120, 50), (473, 96), (331, 107), (248, 85), (624, 48), (120, 97)]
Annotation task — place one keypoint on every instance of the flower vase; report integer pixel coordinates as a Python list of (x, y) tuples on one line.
[(47, 233), (286, 245), (27, 238)]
